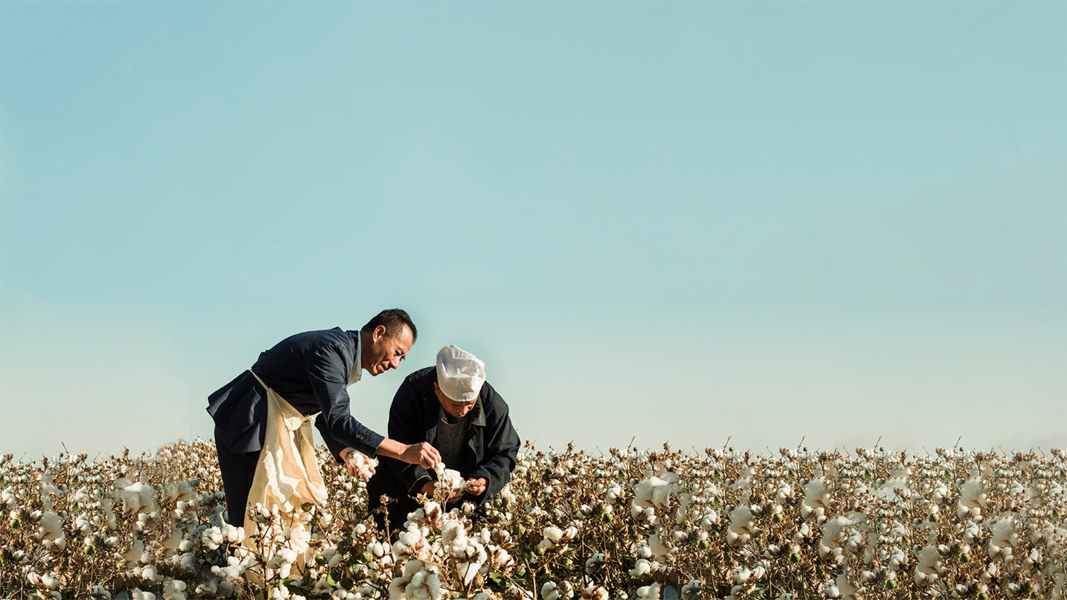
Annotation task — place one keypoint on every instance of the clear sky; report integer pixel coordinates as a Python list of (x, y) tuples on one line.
[(655, 221)]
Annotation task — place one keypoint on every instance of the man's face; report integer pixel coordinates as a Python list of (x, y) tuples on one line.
[(456, 409), (383, 353)]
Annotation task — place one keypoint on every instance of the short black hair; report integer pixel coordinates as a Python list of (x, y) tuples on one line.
[(394, 320)]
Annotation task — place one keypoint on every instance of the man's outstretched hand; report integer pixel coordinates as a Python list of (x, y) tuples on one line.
[(422, 454)]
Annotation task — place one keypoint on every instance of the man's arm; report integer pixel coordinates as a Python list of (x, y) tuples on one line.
[(327, 373), (336, 447), (501, 447)]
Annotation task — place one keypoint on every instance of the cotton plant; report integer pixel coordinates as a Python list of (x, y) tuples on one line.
[(419, 581), (448, 482), (117, 544)]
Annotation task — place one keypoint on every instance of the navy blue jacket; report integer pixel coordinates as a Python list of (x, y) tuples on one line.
[(310, 371), (489, 450)]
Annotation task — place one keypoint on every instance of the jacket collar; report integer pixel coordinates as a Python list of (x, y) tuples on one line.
[(356, 370)]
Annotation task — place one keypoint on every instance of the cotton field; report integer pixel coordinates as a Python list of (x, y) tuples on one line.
[(628, 524)]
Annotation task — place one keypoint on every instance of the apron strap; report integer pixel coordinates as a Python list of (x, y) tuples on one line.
[(265, 386), (304, 418)]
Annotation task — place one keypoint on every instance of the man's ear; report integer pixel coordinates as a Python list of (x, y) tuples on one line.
[(379, 333)]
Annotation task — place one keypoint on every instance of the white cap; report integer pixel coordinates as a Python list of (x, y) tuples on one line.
[(460, 374)]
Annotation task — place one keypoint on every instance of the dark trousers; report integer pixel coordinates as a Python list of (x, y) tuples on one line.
[(238, 470)]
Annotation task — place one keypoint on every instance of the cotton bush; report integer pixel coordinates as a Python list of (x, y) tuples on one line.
[(571, 525)]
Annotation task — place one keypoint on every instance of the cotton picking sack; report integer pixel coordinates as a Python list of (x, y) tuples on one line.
[(287, 476)]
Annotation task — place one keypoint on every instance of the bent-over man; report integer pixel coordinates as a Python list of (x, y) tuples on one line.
[(452, 407), (308, 372)]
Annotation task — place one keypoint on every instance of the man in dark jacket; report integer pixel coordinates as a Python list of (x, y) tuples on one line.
[(310, 371), (452, 407)]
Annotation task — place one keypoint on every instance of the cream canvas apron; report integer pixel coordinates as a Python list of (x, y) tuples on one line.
[(287, 475)]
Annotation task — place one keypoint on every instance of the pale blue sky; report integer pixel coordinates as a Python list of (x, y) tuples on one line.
[(666, 221)]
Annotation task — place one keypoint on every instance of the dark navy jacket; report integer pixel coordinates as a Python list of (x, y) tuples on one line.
[(310, 371), (489, 451)]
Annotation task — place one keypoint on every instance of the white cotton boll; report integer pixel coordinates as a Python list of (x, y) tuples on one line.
[(741, 575), (50, 581), (502, 559), (407, 543), (433, 584), (7, 498), (929, 561), (51, 526), (287, 555), (171, 544), (100, 593), (212, 537), (784, 492), (1003, 539), (448, 481), (468, 571), (742, 523), (138, 497), (553, 534), (847, 590), (179, 492), (363, 464), (233, 535), (642, 567), (188, 561), (569, 533), (150, 573), (683, 506), (710, 519), (377, 549), (972, 499), (138, 594), (655, 490), (133, 555), (815, 496), (549, 591), (109, 514), (657, 547), (614, 492)]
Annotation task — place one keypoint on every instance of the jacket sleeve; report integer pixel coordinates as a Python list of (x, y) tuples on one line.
[(501, 447), (406, 427), (328, 374), (331, 443)]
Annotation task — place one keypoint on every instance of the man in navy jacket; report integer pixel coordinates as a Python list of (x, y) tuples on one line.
[(310, 371), (452, 407)]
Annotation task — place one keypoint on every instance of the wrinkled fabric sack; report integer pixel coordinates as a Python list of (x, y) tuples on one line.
[(287, 477)]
